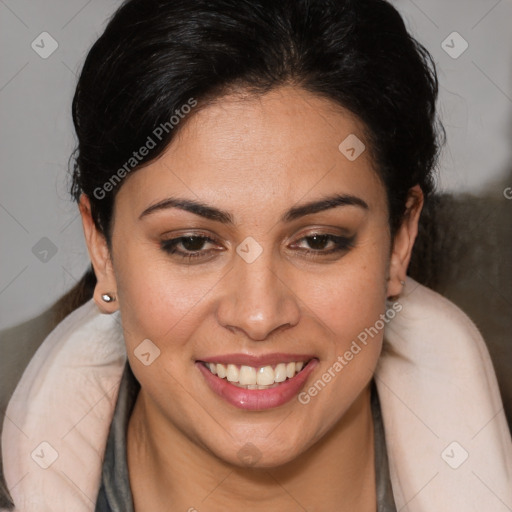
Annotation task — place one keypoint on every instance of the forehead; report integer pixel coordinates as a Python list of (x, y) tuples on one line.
[(261, 153)]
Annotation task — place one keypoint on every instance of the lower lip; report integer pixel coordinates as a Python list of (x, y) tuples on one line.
[(257, 399)]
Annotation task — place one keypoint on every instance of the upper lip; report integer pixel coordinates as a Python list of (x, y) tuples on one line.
[(257, 361)]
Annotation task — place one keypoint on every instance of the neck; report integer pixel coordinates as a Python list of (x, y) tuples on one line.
[(337, 473)]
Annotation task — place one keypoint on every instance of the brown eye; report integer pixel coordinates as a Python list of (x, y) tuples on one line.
[(320, 244), (193, 243), (192, 246)]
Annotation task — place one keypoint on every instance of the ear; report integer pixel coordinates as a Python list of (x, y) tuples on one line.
[(404, 241), (100, 258)]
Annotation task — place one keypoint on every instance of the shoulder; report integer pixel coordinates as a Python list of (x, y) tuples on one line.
[(18, 344)]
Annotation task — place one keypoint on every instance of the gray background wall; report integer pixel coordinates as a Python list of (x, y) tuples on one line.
[(42, 252)]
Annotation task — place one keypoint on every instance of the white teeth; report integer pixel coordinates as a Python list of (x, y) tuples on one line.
[(247, 375), (265, 376), (250, 377), (280, 372), (232, 373), (221, 370)]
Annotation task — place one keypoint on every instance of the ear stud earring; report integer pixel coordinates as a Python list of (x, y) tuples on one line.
[(402, 283), (107, 297)]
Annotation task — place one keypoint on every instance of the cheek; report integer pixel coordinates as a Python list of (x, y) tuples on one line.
[(351, 296), (350, 304), (158, 299), (164, 304)]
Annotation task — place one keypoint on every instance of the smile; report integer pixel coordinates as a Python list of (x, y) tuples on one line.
[(252, 383), (250, 377)]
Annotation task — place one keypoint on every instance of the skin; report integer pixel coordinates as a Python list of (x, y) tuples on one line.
[(254, 157)]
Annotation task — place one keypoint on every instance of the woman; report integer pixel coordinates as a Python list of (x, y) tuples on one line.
[(250, 177)]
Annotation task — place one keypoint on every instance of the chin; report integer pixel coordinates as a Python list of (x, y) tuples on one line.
[(263, 452)]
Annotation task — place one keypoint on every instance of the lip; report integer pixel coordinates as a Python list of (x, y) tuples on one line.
[(258, 361), (256, 399)]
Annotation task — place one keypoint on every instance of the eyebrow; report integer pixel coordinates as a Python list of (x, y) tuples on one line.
[(224, 217)]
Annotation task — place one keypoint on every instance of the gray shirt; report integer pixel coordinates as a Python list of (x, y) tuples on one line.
[(115, 493)]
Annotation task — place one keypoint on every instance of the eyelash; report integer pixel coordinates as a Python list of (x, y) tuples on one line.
[(341, 244)]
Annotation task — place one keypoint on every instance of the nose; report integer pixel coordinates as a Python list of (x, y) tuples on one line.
[(258, 300)]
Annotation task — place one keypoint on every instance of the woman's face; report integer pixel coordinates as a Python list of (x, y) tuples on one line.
[(273, 274)]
